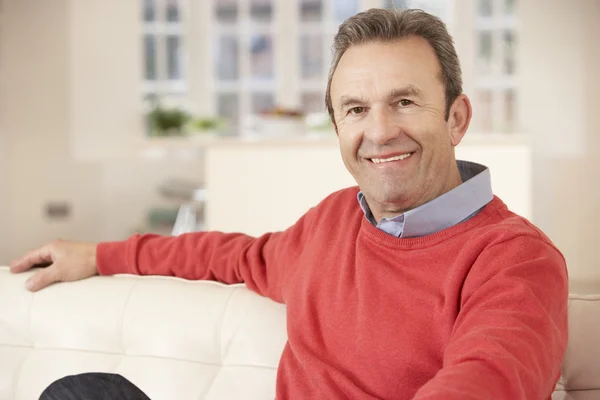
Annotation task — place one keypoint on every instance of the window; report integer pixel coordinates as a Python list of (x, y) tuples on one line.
[(150, 57), (509, 6), (496, 67), (509, 111), (149, 10), (244, 69), (312, 57), (227, 63), (228, 106), (174, 58), (343, 10), (486, 8), (396, 4), (438, 8), (248, 72), (172, 8), (227, 11), (261, 10), (509, 52), (261, 58), (164, 55), (311, 10), (318, 22), (484, 51), (267, 53)]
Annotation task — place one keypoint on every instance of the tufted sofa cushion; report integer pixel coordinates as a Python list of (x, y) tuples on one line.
[(174, 339), (179, 339)]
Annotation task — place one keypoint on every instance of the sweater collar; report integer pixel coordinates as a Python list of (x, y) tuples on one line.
[(447, 210)]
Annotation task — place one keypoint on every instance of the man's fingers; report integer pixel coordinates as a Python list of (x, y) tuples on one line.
[(43, 278), (40, 256)]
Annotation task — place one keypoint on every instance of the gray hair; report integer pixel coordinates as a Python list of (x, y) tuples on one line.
[(387, 25)]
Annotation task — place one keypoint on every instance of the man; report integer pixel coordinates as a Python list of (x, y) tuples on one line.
[(418, 285)]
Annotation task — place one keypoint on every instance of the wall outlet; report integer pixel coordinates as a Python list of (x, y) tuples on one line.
[(57, 210)]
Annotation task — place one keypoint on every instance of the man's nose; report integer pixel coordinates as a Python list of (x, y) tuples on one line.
[(381, 127)]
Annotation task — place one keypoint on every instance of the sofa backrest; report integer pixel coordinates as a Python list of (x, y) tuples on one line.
[(177, 339), (174, 339)]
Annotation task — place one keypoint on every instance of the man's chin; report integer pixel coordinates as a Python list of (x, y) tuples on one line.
[(395, 202)]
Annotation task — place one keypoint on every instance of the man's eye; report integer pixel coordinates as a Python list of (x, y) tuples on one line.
[(405, 102), (356, 110)]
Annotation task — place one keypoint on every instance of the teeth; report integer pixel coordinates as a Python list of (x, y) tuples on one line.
[(396, 158)]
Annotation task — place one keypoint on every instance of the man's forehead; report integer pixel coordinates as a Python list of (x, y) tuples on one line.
[(407, 48), (405, 65)]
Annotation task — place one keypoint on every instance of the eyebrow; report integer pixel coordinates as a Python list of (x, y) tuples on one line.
[(346, 101), (406, 91)]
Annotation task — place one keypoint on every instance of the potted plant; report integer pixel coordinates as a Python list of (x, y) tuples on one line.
[(167, 121)]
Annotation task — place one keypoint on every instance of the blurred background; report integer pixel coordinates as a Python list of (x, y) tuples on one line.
[(124, 116)]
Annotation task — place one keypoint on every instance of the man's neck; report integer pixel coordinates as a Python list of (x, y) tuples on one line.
[(393, 210)]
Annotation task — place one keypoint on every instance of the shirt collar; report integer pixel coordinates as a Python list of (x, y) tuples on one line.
[(444, 211)]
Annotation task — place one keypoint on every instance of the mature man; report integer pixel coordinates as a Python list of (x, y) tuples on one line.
[(419, 284)]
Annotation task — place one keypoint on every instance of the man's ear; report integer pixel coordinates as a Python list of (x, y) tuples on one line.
[(459, 119)]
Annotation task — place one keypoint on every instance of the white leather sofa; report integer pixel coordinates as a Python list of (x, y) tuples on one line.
[(177, 339)]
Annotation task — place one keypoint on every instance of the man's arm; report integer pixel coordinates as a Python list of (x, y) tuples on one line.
[(510, 335), (225, 257), (229, 258)]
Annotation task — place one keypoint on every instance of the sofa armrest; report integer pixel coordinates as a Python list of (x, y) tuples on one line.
[(580, 372)]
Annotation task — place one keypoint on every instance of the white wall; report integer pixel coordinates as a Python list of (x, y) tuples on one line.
[(35, 123), (560, 108), (3, 206), (104, 69), (3, 180), (3, 152), (63, 107)]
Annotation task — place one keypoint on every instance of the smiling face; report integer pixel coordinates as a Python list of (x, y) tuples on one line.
[(389, 109)]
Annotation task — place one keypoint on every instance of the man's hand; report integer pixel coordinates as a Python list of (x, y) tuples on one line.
[(67, 261)]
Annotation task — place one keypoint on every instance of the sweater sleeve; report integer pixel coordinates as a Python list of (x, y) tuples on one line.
[(229, 258), (510, 336)]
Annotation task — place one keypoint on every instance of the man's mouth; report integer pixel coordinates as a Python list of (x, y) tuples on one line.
[(394, 158)]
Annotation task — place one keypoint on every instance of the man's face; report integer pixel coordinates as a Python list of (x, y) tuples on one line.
[(389, 108)]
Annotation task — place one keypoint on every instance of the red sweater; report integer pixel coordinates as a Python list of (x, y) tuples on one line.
[(476, 311)]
